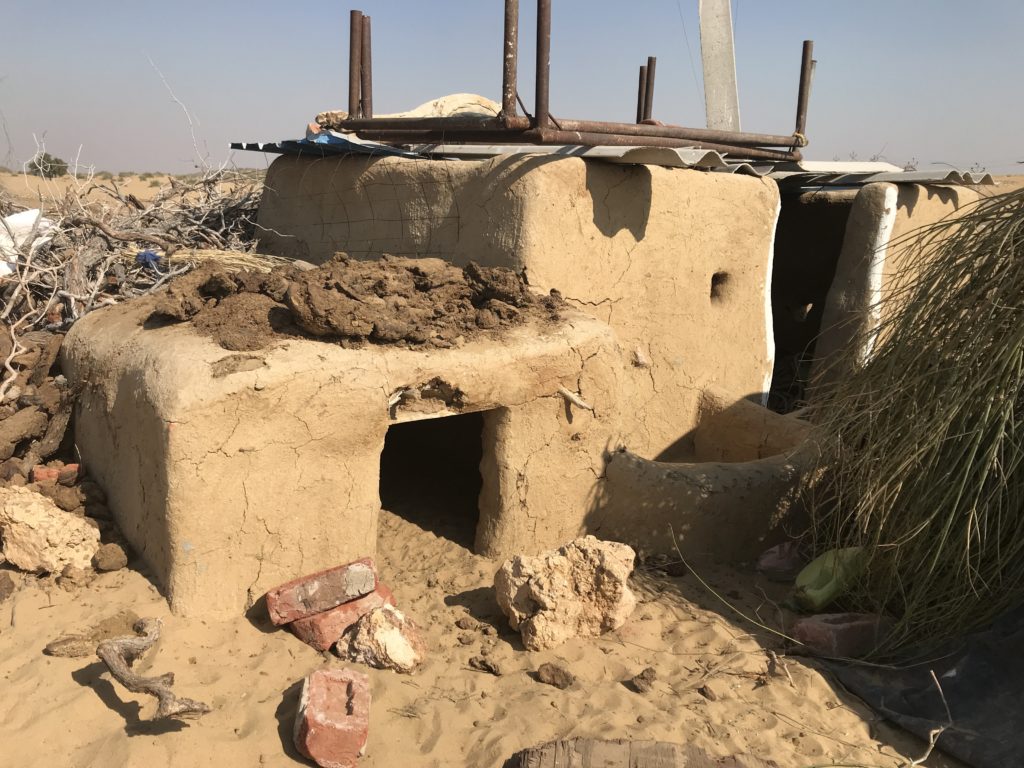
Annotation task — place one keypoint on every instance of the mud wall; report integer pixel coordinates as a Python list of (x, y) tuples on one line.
[(677, 262), (232, 472), (886, 221)]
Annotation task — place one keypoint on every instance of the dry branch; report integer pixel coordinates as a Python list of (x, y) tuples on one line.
[(120, 653), (88, 258)]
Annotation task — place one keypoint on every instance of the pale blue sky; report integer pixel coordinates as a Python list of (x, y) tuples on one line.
[(939, 81)]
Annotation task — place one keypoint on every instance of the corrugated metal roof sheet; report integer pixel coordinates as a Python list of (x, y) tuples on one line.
[(807, 173), (803, 178), (701, 159)]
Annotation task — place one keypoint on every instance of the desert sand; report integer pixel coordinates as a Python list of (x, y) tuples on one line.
[(68, 712)]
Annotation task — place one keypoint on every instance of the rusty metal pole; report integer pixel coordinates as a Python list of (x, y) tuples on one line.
[(510, 64), (641, 94), (804, 94), (542, 108), (652, 63), (366, 71), (355, 60)]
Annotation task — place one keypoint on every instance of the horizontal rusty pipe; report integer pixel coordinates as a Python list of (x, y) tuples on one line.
[(510, 64), (679, 132), (449, 137), (435, 123), (804, 94), (652, 63), (355, 60), (585, 126)]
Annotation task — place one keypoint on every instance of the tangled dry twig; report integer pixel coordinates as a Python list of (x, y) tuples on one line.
[(83, 255)]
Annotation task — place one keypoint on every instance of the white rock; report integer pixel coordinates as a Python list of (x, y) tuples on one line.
[(578, 590), (40, 536), (384, 638)]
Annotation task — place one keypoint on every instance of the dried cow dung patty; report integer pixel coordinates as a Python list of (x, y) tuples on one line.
[(390, 300)]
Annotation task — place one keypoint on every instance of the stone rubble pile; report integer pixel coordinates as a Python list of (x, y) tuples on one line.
[(346, 608)]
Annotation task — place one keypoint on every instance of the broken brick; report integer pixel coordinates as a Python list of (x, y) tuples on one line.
[(322, 630), (333, 717), (43, 474), (318, 592), (842, 635)]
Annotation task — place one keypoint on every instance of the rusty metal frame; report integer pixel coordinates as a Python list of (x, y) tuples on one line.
[(542, 127)]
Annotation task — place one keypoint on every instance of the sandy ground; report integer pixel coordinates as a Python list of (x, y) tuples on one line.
[(68, 712), (31, 191)]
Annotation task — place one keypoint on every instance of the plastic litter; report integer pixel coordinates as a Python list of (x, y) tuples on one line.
[(15, 230), (149, 259), (827, 577)]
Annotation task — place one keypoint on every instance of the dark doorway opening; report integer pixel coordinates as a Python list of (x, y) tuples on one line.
[(430, 474)]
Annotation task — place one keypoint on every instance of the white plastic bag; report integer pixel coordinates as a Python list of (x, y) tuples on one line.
[(21, 225)]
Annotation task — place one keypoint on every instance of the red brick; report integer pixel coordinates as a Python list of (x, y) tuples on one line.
[(319, 592), (842, 635), (333, 717), (323, 630), (41, 474)]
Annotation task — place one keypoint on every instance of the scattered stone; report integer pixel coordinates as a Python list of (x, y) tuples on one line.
[(842, 635), (11, 468), (577, 590), (322, 630), (781, 562), (69, 474), (644, 681), (38, 536), (68, 499), (23, 425), (712, 690), (488, 630), (467, 622), (72, 578), (384, 639), (318, 592), (8, 585), (555, 675), (110, 557), (466, 638), (333, 717), (484, 664)]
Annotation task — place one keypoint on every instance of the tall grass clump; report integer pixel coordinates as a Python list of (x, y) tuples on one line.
[(922, 446)]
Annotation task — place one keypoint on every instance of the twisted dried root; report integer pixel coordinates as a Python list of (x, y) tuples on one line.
[(120, 653)]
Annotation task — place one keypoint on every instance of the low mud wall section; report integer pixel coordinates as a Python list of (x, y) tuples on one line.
[(676, 261)]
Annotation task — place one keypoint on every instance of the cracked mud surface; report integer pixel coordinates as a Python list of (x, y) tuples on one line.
[(410, 302)]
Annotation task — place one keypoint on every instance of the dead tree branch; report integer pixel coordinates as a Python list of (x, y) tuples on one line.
[(120, 653)]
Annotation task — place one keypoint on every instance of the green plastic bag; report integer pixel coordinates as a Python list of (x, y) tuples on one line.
[(827, 577)]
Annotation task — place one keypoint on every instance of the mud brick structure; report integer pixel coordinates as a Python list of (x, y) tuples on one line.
[(637, 416)]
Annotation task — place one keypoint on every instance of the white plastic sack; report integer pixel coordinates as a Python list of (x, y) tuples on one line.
[(21, 225)]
